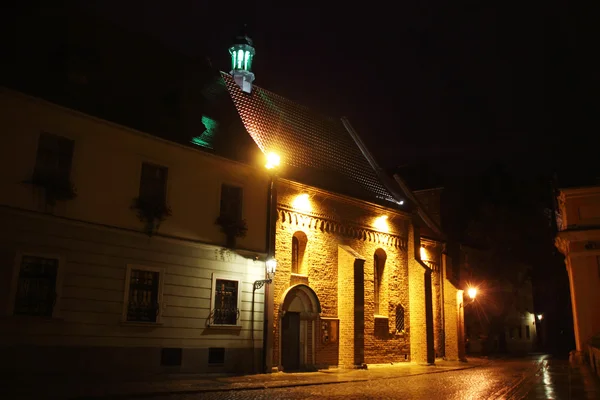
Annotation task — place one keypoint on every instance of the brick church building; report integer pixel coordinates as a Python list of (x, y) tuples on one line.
[(360, 276)]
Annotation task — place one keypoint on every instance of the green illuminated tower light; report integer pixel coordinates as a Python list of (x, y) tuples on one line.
[(242, 54)]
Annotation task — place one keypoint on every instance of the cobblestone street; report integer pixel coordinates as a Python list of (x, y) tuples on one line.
[(531, 378), (500, 379)]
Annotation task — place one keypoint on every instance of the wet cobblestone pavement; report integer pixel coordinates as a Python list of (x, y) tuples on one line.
[(536, 377), (492, 381)]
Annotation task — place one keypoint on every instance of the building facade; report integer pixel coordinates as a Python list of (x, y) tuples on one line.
[(111, 257), (353, 286), (579, 240)]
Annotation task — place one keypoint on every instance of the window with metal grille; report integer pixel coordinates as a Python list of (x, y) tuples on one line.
[(36, 288), (153, 183), (399, 318), (143, 303), (231, 202), (53, 159), (225, 308)]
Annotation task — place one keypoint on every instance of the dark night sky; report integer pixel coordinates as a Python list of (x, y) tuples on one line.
[(461, 83)]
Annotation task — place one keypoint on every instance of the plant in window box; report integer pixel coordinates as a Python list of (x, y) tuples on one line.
[(55, 189), (233, 228), (151, 211)]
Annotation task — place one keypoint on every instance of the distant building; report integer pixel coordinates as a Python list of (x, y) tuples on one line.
[(579, 240)]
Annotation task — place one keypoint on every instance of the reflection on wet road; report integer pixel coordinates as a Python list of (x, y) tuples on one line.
[(532, 378)]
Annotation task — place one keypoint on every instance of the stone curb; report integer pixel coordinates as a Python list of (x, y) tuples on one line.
[(263, 386)]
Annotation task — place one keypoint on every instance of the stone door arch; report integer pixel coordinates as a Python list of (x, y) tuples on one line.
[(298, 312)]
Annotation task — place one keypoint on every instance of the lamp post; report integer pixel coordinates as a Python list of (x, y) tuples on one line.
[(472, 293), (273, 161)]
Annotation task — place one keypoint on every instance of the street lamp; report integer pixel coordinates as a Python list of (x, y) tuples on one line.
[(472, 292), (540, 317)]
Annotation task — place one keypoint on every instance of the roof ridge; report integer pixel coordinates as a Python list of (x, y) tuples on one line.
[(288, 100)]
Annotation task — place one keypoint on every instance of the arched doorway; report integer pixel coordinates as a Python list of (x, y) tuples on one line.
[(299, 311)]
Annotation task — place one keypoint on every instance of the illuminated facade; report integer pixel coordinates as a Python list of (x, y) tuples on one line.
[(351, 287), (111, 258), (579, 240)]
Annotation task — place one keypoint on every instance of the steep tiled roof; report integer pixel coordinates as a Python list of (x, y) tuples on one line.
[(315, 149)]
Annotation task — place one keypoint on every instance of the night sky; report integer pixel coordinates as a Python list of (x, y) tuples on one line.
[(457, 85), (454, 83)]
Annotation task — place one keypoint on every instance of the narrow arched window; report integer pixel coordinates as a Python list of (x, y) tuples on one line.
[(295, 254), (399, 318), (299, 241), (378, 278)]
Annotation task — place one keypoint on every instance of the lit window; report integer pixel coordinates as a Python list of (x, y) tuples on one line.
[(225, 300), (36, 287), (143, 292)]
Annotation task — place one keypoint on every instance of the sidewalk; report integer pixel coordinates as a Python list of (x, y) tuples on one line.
[(78, 387)]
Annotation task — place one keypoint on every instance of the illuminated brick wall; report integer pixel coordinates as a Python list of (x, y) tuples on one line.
[(338, 265)]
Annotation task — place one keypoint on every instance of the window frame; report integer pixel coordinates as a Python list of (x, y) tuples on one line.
[(241, 202), (39, 172), (15, 282), (141, 175), (159, 297), (229, 277)]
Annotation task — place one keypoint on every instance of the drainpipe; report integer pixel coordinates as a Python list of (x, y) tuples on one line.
[(443, 299)]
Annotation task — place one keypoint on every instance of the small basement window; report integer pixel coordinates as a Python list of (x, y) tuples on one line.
[(216, 355)]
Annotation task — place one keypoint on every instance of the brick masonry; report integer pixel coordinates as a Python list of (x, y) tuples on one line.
[(340, 246)]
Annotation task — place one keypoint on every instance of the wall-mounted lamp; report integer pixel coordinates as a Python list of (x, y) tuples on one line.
[(271, 265), (302, 202), (381, 224), (472, 292), (540, 317), (273, 160)]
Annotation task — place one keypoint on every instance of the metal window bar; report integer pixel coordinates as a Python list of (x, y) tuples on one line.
[(399, 318), (225, 310), (143, 296), (36, 290)]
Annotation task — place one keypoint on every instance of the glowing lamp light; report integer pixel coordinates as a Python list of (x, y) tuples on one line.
[(302, 202), (423, 253), (273, 161), (271, 265), (381, 224), (472, 292), (401, 202), (540, 316)]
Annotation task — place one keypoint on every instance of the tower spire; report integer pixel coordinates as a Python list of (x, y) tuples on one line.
[(242, 54)]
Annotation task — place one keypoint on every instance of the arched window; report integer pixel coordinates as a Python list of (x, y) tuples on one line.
[(295, 254), (378, 280), (399, 318), (299, 241)]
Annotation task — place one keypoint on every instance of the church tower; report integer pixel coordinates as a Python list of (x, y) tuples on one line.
[(242, 54)]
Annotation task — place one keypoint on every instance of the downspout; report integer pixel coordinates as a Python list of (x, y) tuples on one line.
[(428, 301), (443, 299), (269, 254)]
